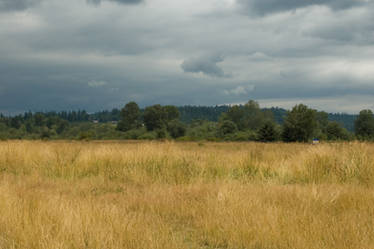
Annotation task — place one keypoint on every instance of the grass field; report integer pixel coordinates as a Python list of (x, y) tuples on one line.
[(186, 195)]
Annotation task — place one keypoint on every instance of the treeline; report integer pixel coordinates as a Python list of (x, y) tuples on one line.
[(188, 114), (246, 122), (242, 123)]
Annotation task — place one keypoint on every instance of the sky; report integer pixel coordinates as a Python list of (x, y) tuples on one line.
[(101, 54)]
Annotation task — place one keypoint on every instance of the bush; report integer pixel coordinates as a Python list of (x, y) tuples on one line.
[(148, 136), (335, 132), (134, 133), (86, 135), (203, 131), (161, 133), (226, 127), (45, 134), (241, 136), (184, 139), (176, 129)]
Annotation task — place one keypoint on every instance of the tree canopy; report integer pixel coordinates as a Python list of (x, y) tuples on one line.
[(300, 124), (246, 122), (364, 125), (130, 117)]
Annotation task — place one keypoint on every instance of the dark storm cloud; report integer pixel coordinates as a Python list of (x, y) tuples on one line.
[(47, 86), (67, 55), (40, 86), (97, 2), (17, 5), (264, 7), (204, 64)]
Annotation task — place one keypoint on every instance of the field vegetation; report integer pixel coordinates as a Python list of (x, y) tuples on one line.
[(179, 195)]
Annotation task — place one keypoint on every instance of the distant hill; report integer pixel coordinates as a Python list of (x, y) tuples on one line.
[(346, 120)]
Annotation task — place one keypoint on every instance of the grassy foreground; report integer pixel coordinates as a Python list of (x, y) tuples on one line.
[(186, 195)]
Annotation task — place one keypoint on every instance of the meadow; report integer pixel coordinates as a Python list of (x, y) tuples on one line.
[(176, 195)]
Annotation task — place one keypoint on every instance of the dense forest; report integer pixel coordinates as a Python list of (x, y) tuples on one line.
[(218, 123), (188, 114)]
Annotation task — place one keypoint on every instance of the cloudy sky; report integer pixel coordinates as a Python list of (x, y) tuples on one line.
[(100, 54)]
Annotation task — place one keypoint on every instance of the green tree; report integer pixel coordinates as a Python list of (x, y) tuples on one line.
[(235, 114), (29, 126), (247, 117), (200, 129), (300, 124), (158, 117), (253, 117), (364, 125), (268, 132), (334, 131), (39, 119), (226, 127), (176, 129), (61, 126), (16, 122), (130, 117), (155, 117), (322, 119), (45, 133), (161, 133), (171, 112)]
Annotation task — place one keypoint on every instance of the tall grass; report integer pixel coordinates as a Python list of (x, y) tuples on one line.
[(186, 195)]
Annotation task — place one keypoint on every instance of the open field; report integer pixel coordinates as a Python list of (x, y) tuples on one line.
[(186, 195)]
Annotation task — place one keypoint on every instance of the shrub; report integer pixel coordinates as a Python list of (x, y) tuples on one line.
[(148, 136)]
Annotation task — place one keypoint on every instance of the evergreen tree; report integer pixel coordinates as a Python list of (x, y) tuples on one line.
[(16, 122), (39, 119), (62, 125), (171, 112), (268, 132)]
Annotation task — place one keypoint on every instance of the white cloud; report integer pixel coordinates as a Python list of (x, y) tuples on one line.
[(240, 90), (258, 56)]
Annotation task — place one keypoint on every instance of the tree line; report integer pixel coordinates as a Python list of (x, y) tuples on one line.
[(246, 122)]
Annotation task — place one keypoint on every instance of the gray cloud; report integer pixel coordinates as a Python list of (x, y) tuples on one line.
[(95, 83), (17, 5), (67, 55), (264, 7), (98, 2), (353, 27), (204, 64)]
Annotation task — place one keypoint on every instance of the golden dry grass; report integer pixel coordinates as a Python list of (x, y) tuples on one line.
[(186, 195)]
